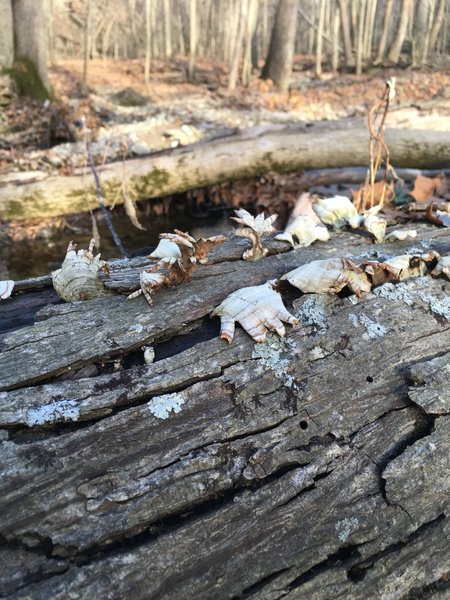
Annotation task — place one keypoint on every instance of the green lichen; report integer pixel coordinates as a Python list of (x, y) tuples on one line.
[(156, 181)]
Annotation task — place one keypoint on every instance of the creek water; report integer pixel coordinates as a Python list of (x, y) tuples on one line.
[(34, 257)]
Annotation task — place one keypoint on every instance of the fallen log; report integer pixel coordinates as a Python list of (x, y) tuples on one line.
[(247, 154), (306, 466)]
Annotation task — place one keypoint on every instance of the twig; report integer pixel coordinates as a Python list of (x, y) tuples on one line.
[(377, 146), (106, 215)]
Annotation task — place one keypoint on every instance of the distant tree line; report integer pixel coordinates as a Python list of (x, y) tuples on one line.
[(243, 34)]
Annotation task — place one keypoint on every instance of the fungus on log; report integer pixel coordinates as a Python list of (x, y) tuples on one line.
[(305, 466)]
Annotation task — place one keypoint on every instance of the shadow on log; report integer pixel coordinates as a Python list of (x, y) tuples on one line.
[(310, 466)]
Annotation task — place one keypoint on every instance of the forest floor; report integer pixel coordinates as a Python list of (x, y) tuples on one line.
[(132, 118)]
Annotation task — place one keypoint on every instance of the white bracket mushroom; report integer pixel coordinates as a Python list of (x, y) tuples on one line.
[(329, 276), (78, 277), (171, 270), (335, 211), (303, 227), (254, 228), (258, 309), (6, 288)]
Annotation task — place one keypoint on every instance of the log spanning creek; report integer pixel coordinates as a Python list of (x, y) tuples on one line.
[(306, 466)]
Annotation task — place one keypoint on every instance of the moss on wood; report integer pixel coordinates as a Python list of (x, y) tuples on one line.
[(26, 78)]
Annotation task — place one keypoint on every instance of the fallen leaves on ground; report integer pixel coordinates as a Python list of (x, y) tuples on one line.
[(426, 187)]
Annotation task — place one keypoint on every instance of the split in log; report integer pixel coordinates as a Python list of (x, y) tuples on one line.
[(236, 157), (309, 466)]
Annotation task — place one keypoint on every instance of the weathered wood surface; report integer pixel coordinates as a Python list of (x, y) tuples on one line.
[(72, 335), (247, 154), (313, 466)]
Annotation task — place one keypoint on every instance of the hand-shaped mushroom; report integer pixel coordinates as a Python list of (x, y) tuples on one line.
[(258, 309)]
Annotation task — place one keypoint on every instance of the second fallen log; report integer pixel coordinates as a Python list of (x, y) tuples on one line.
[(244, 155)]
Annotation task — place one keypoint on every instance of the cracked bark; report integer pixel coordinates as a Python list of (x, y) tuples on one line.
[(318, 470)]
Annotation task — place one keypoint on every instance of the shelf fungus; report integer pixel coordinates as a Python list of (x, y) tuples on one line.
[(330, 276), (254, 229), (258, 309), (303, 227), (6, 288), (401, 267), (302, 232), (166, 249), (171, 271), (78, 277), (371, 222), (443, 267), (401, 235), (335, 211)]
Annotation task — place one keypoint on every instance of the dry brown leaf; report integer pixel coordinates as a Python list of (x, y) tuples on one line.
[(130, 209), (443, 189), (426, 187), (361, 197)]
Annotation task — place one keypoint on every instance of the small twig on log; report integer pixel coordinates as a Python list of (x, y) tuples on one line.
[(104, 210)]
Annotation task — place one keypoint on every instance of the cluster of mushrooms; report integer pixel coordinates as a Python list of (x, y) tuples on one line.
[(259, 309)]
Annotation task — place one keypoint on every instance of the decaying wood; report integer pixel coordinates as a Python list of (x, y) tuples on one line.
[(244, 155), (312, 466)]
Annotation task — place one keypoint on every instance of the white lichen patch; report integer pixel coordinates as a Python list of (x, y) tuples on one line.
[(167, 404), (400, 291), (270, 356), (318, 353), (373, 329), (312, 312), (438, 306), (346, 527), (60, 410)]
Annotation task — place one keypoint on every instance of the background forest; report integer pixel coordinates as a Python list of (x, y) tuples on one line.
[(340, 34), (144, 76)]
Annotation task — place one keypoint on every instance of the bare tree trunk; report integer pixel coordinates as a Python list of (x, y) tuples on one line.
[(6, 35), (167, 28), (396, 47), (318, 69), (312, 30), (426, 43), (87, 35), (181, 32), (50, 33), (265, 28), (440, 13), (238, 45), (335, 40), (343, 7), (30, 35), (385, 32), (105, 40), (94, 37), (369, 28), (420, 21), (250, 31), (148, 40), (362, 5), (153, 30), (192, 37), (278, 65)]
